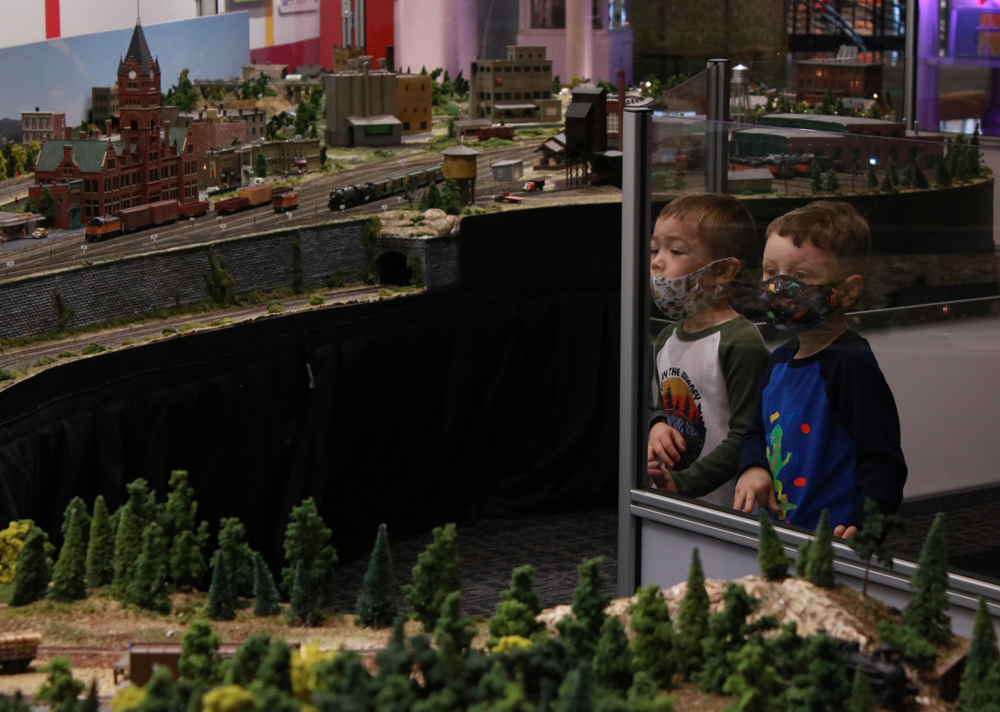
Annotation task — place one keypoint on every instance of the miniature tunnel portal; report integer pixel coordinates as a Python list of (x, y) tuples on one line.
[(392, 269)]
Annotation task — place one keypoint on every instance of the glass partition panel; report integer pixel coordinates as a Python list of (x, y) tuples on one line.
[(928, 305)]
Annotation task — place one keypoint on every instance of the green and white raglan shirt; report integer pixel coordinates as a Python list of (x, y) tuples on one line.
[(705, 387)]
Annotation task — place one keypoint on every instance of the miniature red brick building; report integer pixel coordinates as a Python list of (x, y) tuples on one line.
[(148, 163)]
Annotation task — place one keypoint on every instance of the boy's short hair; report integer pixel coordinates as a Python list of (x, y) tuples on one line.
[(829, 225), (722, 221)]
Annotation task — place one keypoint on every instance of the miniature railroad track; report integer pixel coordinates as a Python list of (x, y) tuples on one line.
[(27, 356), (313, 199)]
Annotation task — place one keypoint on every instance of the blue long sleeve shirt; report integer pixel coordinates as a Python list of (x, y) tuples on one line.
[(827, 429)]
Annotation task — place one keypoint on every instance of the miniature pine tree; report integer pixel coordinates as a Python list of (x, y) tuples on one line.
[(926, 610), (265, 593), (653, 645), (451, 201), (919, 179), (908, 178), (990, 690), (578, 695), (33, 569), (832, 184), (394, 658), (148, 586), (802, 561), (819, 570), (727, 631), (186, 537), (756, 684), (452, 632), (161, 691), (376, 605), (101, 547), (80, 507), (68, 577), (862, 699), (823, 684), (276, 668), (221, 599), (260, 165), (815, 177), (238, 555), (306, 539), (872, 178), (430, 199), (982, 655), (784, 649), (580, 634), (128, 546), (518, 607), (869, 541), (942, 176), (892, 171), (888, 186), (612, 663), (247, 659), (92, 703), (59, 686), (435, 576), (303, 606), (198, 662), (692, 620), (770, 550)]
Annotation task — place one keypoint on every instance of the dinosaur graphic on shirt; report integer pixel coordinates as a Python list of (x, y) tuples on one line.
[(777, 464)]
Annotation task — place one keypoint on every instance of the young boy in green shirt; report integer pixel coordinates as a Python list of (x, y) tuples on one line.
[(709, 362)]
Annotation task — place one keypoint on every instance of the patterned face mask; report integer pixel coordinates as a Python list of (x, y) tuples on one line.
[(793, 307), (683, 297)]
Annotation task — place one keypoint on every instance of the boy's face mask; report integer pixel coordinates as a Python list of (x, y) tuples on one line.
[(683, 297), (793, 307)]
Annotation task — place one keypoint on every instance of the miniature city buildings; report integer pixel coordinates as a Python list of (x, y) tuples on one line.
[(750, 180), (517, 89), (843, 78), (470, 127), (361, 107), (414, 96), (460, 164), (243, 111), (511, 169), (271, 71), (17, 226), (39, 125), (587, 123), (103, 104), (233, 166), (149, 162), (845, 139), (553, 152)]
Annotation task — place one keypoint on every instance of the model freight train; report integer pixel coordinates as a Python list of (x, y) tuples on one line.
[(351, 196)]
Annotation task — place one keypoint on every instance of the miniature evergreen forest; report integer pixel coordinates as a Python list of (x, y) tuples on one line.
[(599, 656)]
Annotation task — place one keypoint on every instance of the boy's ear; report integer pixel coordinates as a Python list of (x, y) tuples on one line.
[(728, 270), (849, 290)]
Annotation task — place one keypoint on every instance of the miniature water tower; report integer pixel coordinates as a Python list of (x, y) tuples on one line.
[(739, 104), (460, 164)]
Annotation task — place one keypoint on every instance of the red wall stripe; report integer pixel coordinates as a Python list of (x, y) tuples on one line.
[(52, 19)]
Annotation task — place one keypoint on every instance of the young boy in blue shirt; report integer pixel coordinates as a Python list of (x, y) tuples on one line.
[(825, 434)]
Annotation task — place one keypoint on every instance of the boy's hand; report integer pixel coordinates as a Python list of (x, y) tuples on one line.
[(755, 486), (665, 445), (660, 476), (845, 532)]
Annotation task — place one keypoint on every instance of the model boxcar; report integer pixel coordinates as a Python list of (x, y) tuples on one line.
[(286, 202), (17, 650), (163, 212), (103, 227), (134, 218), (257, 195), (231, 205), (142, 659), (192, 210)]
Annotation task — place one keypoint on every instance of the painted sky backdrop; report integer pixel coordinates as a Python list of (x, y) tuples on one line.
[(57, 75)]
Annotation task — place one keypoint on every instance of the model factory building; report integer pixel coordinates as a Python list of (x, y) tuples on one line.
[(515, 89), (361, 107)]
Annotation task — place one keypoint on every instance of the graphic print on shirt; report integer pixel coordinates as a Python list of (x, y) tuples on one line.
[(777, 463), (682, 407)]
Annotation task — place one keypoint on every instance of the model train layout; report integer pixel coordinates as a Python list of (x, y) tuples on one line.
[(165, 212), (351, 196)]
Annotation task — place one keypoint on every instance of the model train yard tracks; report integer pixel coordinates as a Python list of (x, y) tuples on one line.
[(24, 357), (313, 198)]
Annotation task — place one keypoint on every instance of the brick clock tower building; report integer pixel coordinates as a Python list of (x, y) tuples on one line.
[(149, 162)]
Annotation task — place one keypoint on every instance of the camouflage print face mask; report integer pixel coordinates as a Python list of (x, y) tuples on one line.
[(793, 307), (683, 297)]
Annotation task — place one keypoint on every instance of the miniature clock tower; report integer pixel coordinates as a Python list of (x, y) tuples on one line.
[(139, 91)]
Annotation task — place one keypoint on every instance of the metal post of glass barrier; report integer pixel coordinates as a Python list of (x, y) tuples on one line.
[(717, 129), (910, 67), (635, 357)]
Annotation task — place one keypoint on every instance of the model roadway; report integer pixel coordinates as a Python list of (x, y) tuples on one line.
[(25, 257)]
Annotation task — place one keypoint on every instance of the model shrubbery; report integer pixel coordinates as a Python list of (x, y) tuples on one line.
[(376, 606), (100, 547), (434, 577)]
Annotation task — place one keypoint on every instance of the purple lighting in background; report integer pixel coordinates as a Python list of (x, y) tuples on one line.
[(927, 74)]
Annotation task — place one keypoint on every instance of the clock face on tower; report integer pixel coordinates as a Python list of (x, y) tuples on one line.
[(131, 74)]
